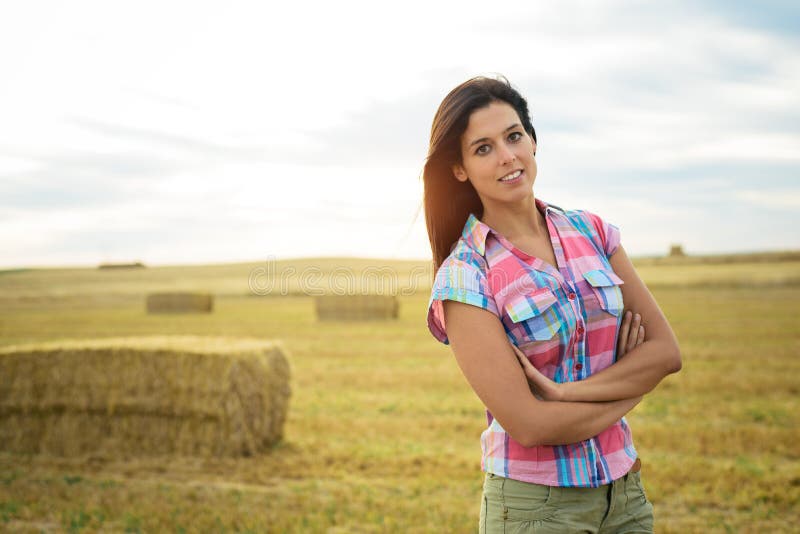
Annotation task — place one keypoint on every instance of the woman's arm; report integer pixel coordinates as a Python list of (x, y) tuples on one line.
[(645, 365), (631, 334), (484, 355)]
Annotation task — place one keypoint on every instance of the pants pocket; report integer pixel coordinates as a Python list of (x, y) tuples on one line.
[(638, 507), (523, 501), (513, 507)]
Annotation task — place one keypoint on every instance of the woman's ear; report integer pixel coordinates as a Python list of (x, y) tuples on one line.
[(460, 173)]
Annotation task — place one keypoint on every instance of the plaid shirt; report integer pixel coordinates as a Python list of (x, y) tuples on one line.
[(564, 319)]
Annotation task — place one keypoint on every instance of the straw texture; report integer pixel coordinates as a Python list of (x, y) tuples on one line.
[(151, 395), (356, 307)]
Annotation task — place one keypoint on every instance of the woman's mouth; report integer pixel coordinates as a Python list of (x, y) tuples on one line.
[(512, 178)]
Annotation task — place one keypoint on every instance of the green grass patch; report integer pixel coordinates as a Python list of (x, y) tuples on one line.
[(383, 430)]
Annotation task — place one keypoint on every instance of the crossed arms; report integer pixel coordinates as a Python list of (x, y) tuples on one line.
[(569, 412)]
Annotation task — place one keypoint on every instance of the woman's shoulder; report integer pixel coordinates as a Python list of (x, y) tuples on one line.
[(462, 278), (463, 256), (579, 214), (597, 229), (576, 216)]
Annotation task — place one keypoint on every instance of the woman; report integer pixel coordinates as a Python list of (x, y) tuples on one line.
[(530, 297)]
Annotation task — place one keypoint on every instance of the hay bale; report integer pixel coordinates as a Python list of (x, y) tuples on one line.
[(356, 307), (180, 302), (134, 265), (143, 396)]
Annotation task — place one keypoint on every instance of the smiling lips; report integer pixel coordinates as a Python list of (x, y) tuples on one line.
[(511, 177)]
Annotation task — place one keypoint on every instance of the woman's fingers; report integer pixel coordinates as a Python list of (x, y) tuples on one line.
[(530, 371), (521, 357), (631, 333), (624, 330), (634, 332), (543, 388)]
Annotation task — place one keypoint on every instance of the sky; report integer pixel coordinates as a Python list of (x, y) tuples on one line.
[(214, 132)]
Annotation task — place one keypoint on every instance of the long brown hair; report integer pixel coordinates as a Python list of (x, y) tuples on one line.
[(448, 202)]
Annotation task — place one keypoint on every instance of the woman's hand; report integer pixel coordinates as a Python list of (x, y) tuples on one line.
[(541, 386), (631, 333)]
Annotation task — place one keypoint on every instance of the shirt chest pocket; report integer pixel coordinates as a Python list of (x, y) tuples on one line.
[(534, 316), (605, 287)]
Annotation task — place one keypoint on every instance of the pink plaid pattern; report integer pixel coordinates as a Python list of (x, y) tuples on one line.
[(564, 318)]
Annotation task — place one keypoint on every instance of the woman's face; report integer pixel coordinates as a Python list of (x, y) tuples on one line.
[(497, 156)]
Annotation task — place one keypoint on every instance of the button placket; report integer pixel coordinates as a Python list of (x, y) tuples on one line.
[(579, 336), (572, 368), (580, 339)]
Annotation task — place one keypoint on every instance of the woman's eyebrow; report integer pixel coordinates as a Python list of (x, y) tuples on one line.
[(482, 139)]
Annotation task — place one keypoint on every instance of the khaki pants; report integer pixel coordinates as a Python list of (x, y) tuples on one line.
[(510, 506)]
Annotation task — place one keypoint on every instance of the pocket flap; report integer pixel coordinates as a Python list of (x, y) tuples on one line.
[(523, 307), (602, 278)]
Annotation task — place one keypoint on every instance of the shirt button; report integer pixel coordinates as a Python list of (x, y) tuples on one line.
[(580, 330), (578, 366), (571, 296)]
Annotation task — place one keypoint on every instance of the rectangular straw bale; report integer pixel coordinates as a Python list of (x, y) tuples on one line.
[(356, 307), (143, 396), (134, 265), (180, 302)]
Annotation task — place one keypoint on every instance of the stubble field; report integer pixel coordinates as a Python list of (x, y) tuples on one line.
[(382, 432)]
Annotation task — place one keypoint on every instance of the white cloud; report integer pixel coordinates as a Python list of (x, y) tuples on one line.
[(776, 199), (313, 118), (10, 165)]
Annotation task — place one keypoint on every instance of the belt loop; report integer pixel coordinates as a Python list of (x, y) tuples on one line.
[(503, 498)]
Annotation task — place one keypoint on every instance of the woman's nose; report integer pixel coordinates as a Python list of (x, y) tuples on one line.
[(506, 155)]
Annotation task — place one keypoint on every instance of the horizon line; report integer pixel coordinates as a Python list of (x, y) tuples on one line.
[(4, 268)]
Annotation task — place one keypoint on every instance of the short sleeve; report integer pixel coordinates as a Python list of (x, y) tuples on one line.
[(607, 234), (461, 278)]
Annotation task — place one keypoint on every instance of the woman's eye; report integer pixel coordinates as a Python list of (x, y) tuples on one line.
[(515, 136), (483, 149)]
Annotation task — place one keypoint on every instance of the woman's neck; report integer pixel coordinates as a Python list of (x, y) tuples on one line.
[(511, 221)]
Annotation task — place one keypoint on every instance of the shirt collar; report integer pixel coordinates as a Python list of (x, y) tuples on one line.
[(475, 232)]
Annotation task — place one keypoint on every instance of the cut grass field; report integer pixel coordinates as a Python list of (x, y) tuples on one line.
[(382, 432)]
